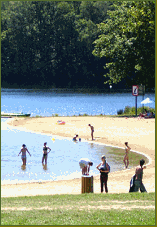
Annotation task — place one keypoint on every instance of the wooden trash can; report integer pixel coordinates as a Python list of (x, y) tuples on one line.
[(86, 184)]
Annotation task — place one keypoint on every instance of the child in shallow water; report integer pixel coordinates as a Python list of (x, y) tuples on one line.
[(74, 138), (23, 151)]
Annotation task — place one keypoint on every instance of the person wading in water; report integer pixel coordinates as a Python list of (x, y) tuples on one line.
[(23, 156), (45, 153)]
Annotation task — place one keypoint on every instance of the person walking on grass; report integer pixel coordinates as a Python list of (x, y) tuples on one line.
[(85, 164), (23, 156), (92, 130), (138, 177), (45, 153), (126, 157), (104, 169)]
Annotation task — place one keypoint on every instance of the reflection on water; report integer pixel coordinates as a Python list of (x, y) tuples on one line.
[(45, 167), (23, 167)]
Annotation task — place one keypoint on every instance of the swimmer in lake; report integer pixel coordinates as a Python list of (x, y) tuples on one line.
[(23, 156), (126, 157), (74, 139), (45, 153)]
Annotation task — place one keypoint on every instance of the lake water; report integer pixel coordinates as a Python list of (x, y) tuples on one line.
[(46, 103), (64, 157), (63, 160)]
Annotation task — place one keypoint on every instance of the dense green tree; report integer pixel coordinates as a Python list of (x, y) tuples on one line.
[(127, 40), (48, 44)]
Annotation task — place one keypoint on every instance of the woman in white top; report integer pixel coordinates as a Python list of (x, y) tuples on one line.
[(85, 164)]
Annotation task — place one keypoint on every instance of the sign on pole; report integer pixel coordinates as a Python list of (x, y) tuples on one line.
[(135, 90), (135, 93)]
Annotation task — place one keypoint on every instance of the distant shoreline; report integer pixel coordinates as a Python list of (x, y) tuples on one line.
[(83, 90)]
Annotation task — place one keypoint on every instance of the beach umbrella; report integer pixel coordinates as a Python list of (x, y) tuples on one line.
[(147, 101)]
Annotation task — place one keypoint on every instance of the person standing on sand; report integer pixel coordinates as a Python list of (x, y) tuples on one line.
[(126, 157), (92, 130), (85, 164), (103, 167), (138, 177), (23, 156), (45, 153)]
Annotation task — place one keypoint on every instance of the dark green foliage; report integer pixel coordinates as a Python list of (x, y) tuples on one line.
[(127, 40), (48, 44), (119, 112)]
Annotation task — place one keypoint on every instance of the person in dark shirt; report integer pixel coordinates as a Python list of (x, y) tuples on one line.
[(103, 167)]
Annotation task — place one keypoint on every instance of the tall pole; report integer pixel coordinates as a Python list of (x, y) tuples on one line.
[(136, 105), (143, 87)]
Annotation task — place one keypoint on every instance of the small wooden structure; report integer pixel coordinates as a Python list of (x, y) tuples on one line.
[(86, 184)]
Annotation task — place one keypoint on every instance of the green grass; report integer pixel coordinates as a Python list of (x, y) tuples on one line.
[(84, 209)]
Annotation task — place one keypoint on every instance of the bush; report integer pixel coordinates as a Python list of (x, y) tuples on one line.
[(119, 112), (85, 114), (127, 109), (131, 110), (55, 115)]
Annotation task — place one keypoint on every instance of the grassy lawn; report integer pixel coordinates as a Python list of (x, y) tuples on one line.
[(84, 209)]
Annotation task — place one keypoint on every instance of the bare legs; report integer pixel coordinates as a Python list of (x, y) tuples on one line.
[(24, 161), (44, 158), (84, 170), (126, 163), (92, 135)]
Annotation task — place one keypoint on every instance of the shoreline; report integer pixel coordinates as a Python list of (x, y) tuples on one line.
[(73, 186)]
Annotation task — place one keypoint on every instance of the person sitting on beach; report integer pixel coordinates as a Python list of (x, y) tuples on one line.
[(74, 138), (104, 169), (45, 153), (126, 157), (152, 115), (92, 130), (149, 115), (85, 164), (23, 156), (138, 177), (143, 114)]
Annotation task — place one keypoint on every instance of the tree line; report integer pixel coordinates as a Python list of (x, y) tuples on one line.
[(77, 44)]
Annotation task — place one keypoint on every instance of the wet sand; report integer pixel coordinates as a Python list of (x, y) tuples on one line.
[(139, 133)]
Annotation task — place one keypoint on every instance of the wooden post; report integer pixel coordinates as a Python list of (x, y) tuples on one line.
[(87, 184)]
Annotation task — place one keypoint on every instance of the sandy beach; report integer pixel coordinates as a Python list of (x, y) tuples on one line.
[(139, 133)]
